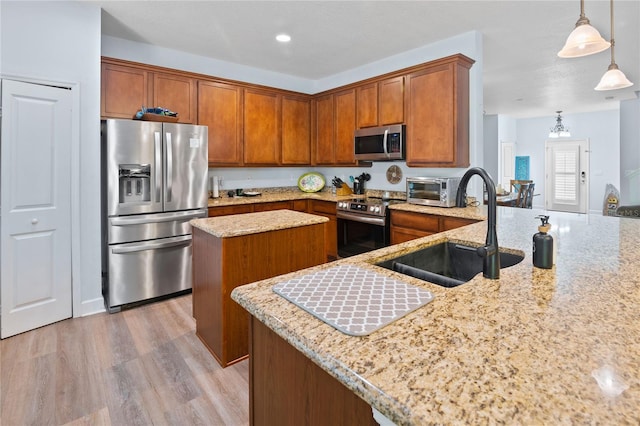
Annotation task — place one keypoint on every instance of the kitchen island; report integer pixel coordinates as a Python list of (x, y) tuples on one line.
[(556, 346), (230, 251)]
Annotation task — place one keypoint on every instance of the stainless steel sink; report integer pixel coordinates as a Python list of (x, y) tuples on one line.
[(447, 264)]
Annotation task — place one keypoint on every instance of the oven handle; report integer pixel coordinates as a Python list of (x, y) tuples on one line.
[(380, 221)]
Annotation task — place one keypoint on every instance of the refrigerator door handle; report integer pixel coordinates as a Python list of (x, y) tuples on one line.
[(172, 242), (169, 166), (158, 162), (141, 220)]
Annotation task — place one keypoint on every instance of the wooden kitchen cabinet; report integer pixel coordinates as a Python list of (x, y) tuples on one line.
[(407, 226), (220, 108), (391, 101), (324, 130), (177, 93), (438, 114), (328, 210), (274, 205), (227, 210), (367, 105), (262, 111), (380, 103), (296, 130), (448, 223), (124, 90), (345, 122), (221, 264), (287, 388)]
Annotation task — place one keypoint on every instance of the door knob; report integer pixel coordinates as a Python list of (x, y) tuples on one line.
[(34, 221)]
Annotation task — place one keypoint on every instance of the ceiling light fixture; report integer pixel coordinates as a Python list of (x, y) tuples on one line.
[(584, 39), (613, 78), (283, 38), (559, 131)]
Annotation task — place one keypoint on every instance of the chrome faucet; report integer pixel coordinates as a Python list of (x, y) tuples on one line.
[(489, 253)]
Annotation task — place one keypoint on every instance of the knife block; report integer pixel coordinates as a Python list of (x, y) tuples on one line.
[(344, 190)]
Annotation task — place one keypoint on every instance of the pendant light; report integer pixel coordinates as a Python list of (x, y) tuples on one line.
[(584, 39), (559, 131), (613, 78)]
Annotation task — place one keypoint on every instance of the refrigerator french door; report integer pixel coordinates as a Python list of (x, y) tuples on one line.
[(154, 182)]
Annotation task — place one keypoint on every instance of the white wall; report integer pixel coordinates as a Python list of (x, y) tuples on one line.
[(602, 128), (630, 152), (60, 42), (491, 147)]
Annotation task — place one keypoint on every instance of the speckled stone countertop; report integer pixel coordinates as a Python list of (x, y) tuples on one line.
[(558, 346), (254, 223), (268, 195)]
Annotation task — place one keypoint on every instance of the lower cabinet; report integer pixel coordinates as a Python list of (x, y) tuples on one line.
[(407, 226), (221, 264), (328, 210), (287, 388)]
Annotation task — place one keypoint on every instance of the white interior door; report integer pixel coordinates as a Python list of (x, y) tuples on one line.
[(567, 176), (35, 206), (507, 164)]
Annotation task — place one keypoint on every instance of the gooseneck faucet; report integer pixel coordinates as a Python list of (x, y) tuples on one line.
[(489, 253)]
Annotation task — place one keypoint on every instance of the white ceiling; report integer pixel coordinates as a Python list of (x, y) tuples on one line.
[(522, 75)]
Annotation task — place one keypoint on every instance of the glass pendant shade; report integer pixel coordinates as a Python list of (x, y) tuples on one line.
[(613, 79), (584, 40)]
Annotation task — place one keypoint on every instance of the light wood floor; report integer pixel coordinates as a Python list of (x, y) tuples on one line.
[(141, 366)]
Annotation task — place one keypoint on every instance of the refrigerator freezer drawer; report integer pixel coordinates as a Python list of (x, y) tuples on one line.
[(124, 229), (141, 271)]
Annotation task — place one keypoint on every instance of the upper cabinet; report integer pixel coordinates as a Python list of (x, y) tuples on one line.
[(252, 125), (335, 123), (345, 122), (127, 87), (261, 127), (380, 103), (123, 90), (220, 108), (296, 130), (437, 99), (324, 130), (176, 93)]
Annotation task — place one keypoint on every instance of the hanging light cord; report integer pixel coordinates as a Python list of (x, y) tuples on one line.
[(613, 42)]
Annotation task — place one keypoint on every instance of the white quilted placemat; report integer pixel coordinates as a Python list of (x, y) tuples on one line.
[(354, 300)]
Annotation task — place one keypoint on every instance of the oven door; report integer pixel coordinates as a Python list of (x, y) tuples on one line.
[(358, 233)]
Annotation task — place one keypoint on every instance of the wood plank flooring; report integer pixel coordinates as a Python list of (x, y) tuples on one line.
[(141, 366)]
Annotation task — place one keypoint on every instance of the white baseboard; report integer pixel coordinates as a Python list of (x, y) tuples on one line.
[(91, 307)]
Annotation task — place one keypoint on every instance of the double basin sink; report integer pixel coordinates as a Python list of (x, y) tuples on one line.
[(448, 264)]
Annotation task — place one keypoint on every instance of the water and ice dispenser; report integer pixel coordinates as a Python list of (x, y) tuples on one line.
[(134, 183)]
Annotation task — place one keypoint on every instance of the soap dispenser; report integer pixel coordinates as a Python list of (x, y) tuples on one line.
[(543, 245)]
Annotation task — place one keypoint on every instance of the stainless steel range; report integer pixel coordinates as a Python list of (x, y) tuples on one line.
[(363, 225)]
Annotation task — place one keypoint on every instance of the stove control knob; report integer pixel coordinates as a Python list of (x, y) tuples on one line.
[(377, 209), (371, 208)]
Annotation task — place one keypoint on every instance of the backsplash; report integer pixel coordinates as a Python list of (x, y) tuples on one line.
[(276, 177)]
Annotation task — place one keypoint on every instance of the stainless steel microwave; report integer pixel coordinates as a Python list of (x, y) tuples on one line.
[(380, 143), (432, 191)]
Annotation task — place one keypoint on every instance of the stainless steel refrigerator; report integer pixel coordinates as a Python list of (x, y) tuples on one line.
[(154, 181)]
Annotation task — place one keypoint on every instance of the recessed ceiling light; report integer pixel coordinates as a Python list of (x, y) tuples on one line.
[(283, 38)]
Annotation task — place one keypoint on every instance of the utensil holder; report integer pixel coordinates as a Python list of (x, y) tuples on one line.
[(344, 190)]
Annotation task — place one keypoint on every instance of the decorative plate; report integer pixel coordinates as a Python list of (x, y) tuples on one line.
[(311, 182), (394, 174)]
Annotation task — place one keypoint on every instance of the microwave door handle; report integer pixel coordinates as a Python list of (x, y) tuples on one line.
[(157, 166), (384, 142), (169, 167)]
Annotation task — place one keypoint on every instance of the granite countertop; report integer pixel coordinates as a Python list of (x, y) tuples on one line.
[(254, 223), (556, 346), (268, 195)]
